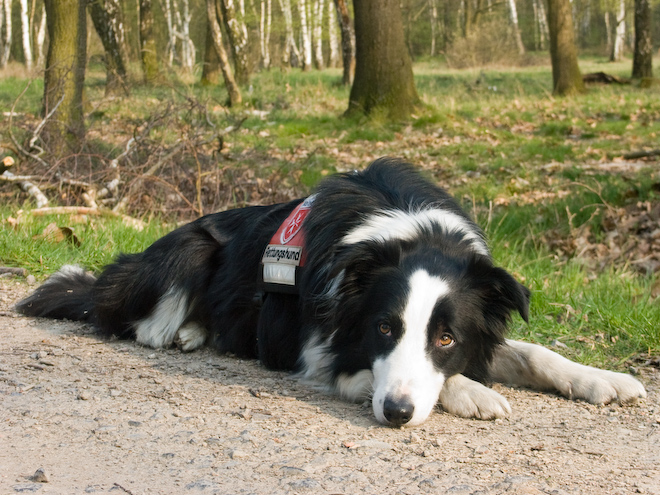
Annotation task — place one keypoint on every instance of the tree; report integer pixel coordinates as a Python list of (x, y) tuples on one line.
[(27, 42), (214, 20), (305, 35), (383, 70), (5, 42), (238, 40), (347, 42), (148, 43), (211, 68), (619, 33), (566, 76), (65, 75), (643, 55), (102, 13)]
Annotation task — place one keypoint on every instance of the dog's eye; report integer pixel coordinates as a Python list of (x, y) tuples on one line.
[(445, 340), (385, 329)]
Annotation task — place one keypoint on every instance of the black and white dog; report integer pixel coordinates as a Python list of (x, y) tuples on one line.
[(378, 285)]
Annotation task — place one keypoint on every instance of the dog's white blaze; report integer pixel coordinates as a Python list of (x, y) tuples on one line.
[(408, 370), (160, 327), (404, 225)]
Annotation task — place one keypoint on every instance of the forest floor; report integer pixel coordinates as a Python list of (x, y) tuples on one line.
[(114, 417)]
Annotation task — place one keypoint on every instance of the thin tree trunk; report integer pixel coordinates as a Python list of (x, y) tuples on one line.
[(541, 25), (100, 11), (211, 69), (5, 43), (433, 14), (183, 33), (214, 20), (619, 33), (305, 34), (171, 37), (332, 34), (608, 30), (265, 22), (291, 54), (148, 52), (643, 55), (383, 70), (566, 76), (237, 41), (347, 42), (27, 42), (65, 75), (513, 16), (317, 23), (41, 38)]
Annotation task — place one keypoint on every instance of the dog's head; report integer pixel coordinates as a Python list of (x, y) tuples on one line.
[(415, 318)]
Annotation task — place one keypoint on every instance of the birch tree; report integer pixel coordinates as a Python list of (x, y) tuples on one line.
[(41, 38), (171, 37), (238, 40), (332, 34), (101, 12), (433, 15), (265, 22), (290, 54), (25, 29), (5, 42), (214, 15), (513, 16), (317, 33), (183, 18), (540, 25), (619, 33), (305, 35)]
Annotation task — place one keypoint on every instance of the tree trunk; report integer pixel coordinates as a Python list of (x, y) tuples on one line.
[(171, 37), (643, 56), (317, 23), (183, 33), (541, 25), (101, 12), (65, 75), (383, 71), (148, 51), (332, 34), (433, 15), (513, 16), (291, 54), (41, 38), (5, 43), (265, 22), (214, 20), (211, 68), (619, 33), (305, 34), (347, 42), (27, 45), (566, 76), (237, 41)]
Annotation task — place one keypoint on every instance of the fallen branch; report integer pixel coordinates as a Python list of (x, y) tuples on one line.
[(641, 154), (604, 78), (22, 272), (84, 210), (27, 186)]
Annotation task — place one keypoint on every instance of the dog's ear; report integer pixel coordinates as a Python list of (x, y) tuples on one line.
[(502, 294)]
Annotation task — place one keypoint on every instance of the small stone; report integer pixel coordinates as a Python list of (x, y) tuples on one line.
[(114, 392), (134, 423), (31, 280), (237, 454), (84, 395), (40, 476), (557, 343)]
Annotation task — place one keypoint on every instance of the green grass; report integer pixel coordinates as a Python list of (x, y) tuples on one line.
[(491, 136)]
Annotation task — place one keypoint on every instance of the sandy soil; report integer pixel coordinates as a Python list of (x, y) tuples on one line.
[(114, 417)]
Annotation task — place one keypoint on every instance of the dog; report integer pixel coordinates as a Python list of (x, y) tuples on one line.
[(377, 286)]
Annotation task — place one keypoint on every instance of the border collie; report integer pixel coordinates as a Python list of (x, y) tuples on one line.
[(378, 285)]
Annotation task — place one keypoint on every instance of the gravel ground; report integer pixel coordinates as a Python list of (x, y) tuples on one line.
[(114, 417)]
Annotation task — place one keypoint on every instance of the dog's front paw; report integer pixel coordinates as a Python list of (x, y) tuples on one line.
[(469, 399), (190, 336), (601, 386)]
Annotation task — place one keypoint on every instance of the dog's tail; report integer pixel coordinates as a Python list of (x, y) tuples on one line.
[(65, 295)]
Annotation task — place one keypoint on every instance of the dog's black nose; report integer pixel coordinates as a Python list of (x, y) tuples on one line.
[(398, 412)]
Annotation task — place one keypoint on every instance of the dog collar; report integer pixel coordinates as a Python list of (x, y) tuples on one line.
[(285, 254)]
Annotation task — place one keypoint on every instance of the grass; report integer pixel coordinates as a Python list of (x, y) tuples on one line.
[(494, 137)]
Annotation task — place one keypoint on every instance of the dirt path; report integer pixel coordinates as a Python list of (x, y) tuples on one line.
[(114, 417)]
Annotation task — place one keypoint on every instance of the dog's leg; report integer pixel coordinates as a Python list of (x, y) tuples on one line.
[(190, 336), (529, 365), (469, 399)]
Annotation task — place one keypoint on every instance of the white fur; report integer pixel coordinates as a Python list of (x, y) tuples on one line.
[(66, 273), (355, 387), (316, 360), (530, 365), (408, 371), (469, 399), (190, 336), (161, 326), (404, 225)]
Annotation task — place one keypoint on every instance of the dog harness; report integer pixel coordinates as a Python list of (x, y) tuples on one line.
[(285, 254)]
